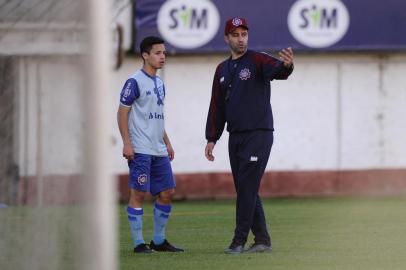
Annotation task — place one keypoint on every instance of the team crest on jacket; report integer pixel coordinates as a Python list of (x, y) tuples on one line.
[(245, 74), (142, 179)]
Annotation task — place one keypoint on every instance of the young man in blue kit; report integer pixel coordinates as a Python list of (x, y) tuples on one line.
[(147, 147), (241, 98)]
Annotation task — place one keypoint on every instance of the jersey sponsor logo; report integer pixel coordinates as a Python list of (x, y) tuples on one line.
[(318, 23), (142, 179), (148, 93), (156, 116), (253, 158), (188, 24), (222, 79), (245, 74)]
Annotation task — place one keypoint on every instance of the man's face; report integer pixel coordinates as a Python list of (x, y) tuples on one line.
[(156, 57), (238, 40)]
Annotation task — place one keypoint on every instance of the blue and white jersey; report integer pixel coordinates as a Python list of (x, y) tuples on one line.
[(145, 95)]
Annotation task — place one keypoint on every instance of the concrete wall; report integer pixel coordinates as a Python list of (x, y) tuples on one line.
[(50, 112)]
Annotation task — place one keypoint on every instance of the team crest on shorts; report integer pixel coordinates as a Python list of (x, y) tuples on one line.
[(245, 74), (142, 179)]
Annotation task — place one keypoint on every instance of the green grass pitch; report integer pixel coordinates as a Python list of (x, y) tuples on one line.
[(325, 234)]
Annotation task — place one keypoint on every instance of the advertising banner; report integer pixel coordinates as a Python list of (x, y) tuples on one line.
[(197, 26)]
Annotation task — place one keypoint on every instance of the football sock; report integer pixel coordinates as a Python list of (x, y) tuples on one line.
[(161, 215), (135, 218)]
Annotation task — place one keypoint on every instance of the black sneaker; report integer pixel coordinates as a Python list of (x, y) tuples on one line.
[(142, 248), (165, 247)]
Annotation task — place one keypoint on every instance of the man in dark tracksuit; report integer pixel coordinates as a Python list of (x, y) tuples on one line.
[(241, 97)]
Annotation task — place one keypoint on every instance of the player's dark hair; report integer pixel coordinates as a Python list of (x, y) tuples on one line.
[(148, 42)]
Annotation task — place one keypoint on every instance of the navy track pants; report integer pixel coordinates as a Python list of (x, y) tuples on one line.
[(249, 153)]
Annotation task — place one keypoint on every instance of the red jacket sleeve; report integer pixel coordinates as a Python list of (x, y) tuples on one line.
[(271, 67)]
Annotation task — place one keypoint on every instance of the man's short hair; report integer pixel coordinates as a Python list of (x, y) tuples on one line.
[(148, 42)]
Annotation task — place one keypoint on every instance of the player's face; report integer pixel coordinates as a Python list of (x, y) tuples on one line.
[(238, 40), (156, 57)]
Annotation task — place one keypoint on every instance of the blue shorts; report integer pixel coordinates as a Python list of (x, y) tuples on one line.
[(150, 173)]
